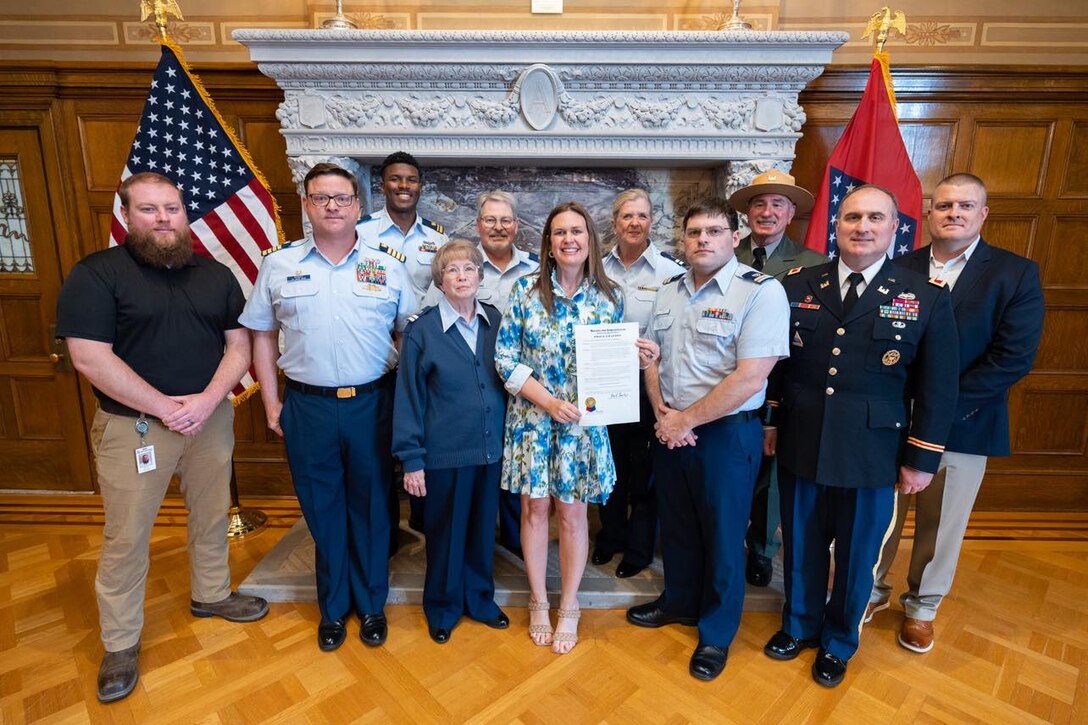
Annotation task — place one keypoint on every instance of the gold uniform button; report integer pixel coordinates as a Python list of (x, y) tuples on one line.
[(830, 391), (835, 351), (833, 371), (841, 331)]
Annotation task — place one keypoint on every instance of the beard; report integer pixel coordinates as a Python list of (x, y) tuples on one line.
[(147, 249)]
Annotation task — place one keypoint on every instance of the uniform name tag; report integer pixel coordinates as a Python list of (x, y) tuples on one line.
[(303, 288), (298, 277)]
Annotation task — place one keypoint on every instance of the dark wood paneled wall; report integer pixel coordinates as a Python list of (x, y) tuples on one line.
[(1024, 130)]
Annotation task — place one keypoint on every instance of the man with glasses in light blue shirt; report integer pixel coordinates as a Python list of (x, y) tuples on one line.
[(504, 264), (341, 301), (721, 326)]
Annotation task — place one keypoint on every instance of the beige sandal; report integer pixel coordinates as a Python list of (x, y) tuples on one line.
[(544, 631), (564, 637)]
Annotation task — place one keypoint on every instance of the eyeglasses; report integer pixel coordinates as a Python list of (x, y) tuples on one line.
[(490, 221), (324, 199), (711, 232), (465, 269)]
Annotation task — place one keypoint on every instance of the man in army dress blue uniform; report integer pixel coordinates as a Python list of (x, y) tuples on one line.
[(863, 408)]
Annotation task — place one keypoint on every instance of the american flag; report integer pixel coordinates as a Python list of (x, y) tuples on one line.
[(232, 214), (841, 184)]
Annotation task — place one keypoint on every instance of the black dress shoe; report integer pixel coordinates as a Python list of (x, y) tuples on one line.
[(625, 571), (374, 629), (782, 646), (600, 558), (439, 635), (501, 621), (707, 662), (651, 615), (118, 674), (828, 670), (758, 571), (330, 635)]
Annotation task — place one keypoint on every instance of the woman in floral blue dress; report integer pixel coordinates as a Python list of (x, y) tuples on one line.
[(547, 455)]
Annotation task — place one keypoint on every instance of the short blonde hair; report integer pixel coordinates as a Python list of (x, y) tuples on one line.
[(455, 249), (627, 196)]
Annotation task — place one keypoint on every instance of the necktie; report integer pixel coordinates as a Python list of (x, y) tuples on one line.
[(851, 296), (760, 256)]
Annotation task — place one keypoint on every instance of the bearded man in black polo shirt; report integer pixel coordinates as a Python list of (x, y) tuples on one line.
[(155, 330)]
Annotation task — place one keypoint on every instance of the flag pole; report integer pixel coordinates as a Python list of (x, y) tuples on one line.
[(241, 522)]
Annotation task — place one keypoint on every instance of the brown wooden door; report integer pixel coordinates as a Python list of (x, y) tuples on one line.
[(42, 436)]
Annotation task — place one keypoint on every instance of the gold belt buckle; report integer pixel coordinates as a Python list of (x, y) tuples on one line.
[(343, 393)]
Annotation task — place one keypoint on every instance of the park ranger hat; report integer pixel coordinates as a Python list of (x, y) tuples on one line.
[(772, 182)]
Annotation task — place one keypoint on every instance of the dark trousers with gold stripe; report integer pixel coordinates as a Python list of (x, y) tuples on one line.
[(857, 520)]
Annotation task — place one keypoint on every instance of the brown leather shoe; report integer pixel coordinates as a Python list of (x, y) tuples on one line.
[(872, 608), (916, 635), (235, 608)]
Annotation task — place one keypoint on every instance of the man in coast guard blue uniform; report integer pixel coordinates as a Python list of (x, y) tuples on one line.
[(998, 303), (399, 226), (340, 300), (862, 407), (629, 518), (413, 241), (721, 327), (504, 264)]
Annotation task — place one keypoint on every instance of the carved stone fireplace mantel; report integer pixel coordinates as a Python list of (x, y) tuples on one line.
[(619, 99)]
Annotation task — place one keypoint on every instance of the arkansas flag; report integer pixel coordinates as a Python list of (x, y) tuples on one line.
[(871, 151), (232, 215)]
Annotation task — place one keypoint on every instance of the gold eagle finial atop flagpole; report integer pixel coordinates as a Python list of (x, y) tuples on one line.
[(161, 9), (883, 21)]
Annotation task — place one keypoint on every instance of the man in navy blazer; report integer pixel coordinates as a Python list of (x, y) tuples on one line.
[(998, 304)]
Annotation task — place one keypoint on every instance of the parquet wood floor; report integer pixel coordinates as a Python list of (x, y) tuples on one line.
[(1012, 647)]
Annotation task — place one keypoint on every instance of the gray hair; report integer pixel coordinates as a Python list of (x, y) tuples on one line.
[(455, 248), (500, 196)]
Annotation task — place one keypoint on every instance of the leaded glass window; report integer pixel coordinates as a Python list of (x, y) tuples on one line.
[(15, 254)]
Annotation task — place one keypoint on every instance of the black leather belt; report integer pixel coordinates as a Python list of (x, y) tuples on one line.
[(742, 417), (349, 391)]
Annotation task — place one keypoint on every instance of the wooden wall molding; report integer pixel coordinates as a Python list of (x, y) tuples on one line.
[(1023, 128)]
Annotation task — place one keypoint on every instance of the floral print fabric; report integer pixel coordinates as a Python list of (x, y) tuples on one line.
[(540, 456)]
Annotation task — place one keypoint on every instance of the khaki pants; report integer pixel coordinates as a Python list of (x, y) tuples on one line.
[(941, 513), (132, 500)]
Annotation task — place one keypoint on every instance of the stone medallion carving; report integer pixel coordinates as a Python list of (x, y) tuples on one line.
[(538, 93)]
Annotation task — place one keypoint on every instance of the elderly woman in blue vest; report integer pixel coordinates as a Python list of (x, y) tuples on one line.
[(447, 431), (547, 455)]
